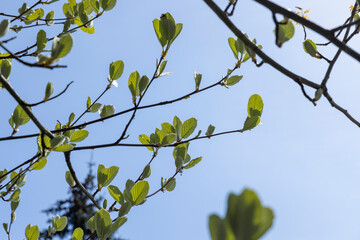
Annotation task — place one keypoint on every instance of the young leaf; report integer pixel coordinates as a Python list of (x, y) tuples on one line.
[(79, 136), (318, 94), (171, 185), (106, 175), (232, 44), (41, 40), (107, 5), (40, 164), (107, 110), (233, 80), (139, 192), (32, 232), (177, 126), (69, 179), (251, 122), (144, 139), (116, 194), (255, 106), (116, 69), (48, 91), (61, 47), (310, 47), (192, 163), (61, 223), (146, 172), (144, 82), (64, 148), (19, 116), (4, 27), (125, 209), (197, 77), (133, 83), (5, 68), (188, 127), (210, 130), (286, 31), (78, 234)]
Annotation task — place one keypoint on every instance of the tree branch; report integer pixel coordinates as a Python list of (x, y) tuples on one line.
[(78, 183), (12, 92)]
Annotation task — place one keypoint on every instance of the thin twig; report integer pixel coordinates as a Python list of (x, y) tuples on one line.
[(58, 95), (315, 27), (78, 183), (30, 64), (12, 92)]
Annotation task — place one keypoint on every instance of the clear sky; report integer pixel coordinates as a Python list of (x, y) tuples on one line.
[(302, 161)]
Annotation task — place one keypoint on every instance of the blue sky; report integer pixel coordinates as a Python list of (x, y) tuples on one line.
[(302, 161)]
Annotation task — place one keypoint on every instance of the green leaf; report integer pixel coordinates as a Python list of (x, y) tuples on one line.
[(64, 148), (210, 130), (168, 139), (61, 223), (107, 5), (177, 126), (106, 175), (116, 194), (179, 162), (146, 172), (61, 47), (49, 90), (102, 222), (255, 106), (95, 5), (232, 44), (246, 216), (188, 127), (180, 150), (57, 141), (14, 204), (144, 82), (15, 196), (286, 31), (171, 185), (79, 136), (220, 229), (240, 46), (37, 14), (78, 234), (133, 83), (116, 69), (6, 227), (40, 164), (41, 40), (167, 128), (91, 224), (89, 28), (2, 173), (5, 68), (19, 116), (144, 139), (233, 80), (178, 29), (49, 18), (251, 122), (139, 192), (116, 225), (4, 27), (167, 27), (125, 209), (69, 179), (95, 108), (162, 67), (107, 110), (156, 25), (318, 94), (197, 77), (32, 232), (192, 163), (310, 47)]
